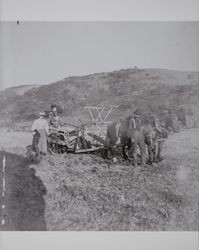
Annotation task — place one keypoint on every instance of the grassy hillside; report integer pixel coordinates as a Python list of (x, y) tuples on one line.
[(17, 90), (146, 89), (9, 95)]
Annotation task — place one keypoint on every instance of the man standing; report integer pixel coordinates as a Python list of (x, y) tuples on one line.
[(136, 116), (162, 134), (40, 126)]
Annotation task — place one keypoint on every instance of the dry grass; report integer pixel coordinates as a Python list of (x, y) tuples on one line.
[(85, 192)]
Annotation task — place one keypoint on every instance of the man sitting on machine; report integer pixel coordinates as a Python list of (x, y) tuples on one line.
[(55, 119)]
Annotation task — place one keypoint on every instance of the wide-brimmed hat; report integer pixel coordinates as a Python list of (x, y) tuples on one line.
[(137, 112), (53, 106), (42, 113)]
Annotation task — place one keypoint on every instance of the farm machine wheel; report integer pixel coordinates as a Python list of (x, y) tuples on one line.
[(57, 144)]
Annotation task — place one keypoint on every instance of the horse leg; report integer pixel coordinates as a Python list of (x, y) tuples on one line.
[(105, 153), (154, 149), (150, 150), (134, 150), (160, 147), (124, 152), (142, 147), (109, 152), (107, 148)]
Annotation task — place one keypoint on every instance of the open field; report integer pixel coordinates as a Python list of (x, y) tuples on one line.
[(85, 192)]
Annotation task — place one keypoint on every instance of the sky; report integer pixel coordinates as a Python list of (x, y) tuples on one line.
[(45, 52)]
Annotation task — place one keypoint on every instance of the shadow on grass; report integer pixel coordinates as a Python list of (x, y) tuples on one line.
[(24, 198)]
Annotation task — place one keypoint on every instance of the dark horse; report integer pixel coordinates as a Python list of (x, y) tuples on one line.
[(128, 134)]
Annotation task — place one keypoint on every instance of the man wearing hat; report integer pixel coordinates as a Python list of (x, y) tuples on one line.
[(161, 135), (136, 113), (41, 126), (55, 119), (136, 116)]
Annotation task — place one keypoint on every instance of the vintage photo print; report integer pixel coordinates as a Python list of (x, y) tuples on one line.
[(99, 126)]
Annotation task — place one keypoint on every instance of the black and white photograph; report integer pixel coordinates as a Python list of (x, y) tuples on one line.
[(99, 126)]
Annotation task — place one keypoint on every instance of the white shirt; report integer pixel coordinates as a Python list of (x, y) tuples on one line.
[(40, 123)]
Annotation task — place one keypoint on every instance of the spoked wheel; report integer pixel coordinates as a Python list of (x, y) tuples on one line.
[(57, 144), (57, 149), (82, 143), (53, 148)]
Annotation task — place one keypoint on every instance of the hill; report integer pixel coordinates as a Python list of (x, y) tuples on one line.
[(146, 89), (8, 96), (16, 90)]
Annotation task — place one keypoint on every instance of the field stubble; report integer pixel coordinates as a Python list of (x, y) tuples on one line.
[(85, 192)]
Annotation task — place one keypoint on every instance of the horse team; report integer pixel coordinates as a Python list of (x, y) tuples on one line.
[(138, 136)]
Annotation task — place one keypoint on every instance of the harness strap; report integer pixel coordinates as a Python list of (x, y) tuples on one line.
[(134, 123)]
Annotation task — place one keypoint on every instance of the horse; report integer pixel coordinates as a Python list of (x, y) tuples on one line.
[(154, 134), (127, 133)]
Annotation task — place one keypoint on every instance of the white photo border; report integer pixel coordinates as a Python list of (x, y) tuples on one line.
[(99, 10)]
